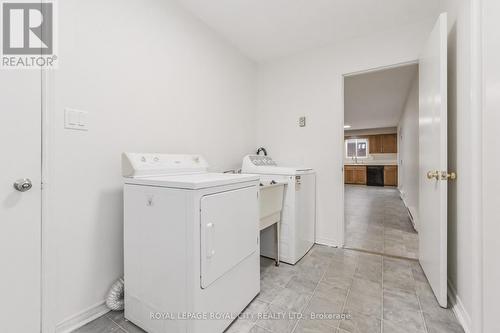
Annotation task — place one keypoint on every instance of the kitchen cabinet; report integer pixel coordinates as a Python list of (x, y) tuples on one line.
[(389, 143), (375, 144), (390, 175), (383, 144), (354, 174), (348, 175)]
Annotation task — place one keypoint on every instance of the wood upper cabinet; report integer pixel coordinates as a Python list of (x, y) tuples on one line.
[(383, 144), (390, 175), (354, 174), (389, 143), (375, 144)]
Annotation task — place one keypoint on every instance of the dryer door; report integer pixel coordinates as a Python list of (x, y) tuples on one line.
[(229, 231)]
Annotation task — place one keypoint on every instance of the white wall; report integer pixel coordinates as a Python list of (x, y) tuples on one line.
[(408, 149), (310, 84), (153, 79), (460, 219), (491, 165)]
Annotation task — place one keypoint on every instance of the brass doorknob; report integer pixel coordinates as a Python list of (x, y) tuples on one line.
[(433, 174), (448, 176)]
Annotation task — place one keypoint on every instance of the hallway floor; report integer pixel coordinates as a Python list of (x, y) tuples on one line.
[(376, 220), (376, 293)]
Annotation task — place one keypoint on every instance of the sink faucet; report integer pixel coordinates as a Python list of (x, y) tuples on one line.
[(262, 150)]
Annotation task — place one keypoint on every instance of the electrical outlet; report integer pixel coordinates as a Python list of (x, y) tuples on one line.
[(302, 121)]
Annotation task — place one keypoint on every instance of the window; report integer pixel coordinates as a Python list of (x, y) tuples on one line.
[(356, 148)]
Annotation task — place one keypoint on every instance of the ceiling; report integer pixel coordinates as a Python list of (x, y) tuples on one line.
[(265, 29), (377, 99)]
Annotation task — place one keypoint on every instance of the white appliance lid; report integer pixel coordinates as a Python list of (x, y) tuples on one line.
[(193, 181), (276, 170)]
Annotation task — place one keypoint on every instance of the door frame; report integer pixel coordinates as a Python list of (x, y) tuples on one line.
[(476, 105), (48, 253), (341, 227)]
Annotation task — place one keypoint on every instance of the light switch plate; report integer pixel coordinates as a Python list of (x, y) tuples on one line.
[(75, 119), (302, 121)]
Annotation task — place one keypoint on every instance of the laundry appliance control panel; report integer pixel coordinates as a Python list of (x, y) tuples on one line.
[(143, 165), (261, 160)]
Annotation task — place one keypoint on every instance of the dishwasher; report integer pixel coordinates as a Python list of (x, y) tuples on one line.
[(375, 175)]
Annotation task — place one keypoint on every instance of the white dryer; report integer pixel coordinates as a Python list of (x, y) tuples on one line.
[(191, 259), (298, 223)]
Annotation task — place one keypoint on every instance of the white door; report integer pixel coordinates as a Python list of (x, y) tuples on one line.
[(229, 230), (20, 216), (433, 159)]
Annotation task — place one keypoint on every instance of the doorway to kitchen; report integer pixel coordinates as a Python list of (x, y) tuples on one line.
[(381, 161)]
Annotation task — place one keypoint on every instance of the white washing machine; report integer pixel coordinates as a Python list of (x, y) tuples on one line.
[(190, 243), (298, 223)]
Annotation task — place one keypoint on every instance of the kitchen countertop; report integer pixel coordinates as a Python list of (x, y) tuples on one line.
[(382, 163)]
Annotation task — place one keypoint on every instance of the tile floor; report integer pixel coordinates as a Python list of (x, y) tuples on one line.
[(374, 293), (377, 221), (377, 293)]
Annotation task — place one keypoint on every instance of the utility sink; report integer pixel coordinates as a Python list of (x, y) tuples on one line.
[(271, 204)]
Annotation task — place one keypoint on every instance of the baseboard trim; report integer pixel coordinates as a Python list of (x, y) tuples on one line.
[(413, 218), (412, 214), (86, 316), (327, 242), (458, 308)]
